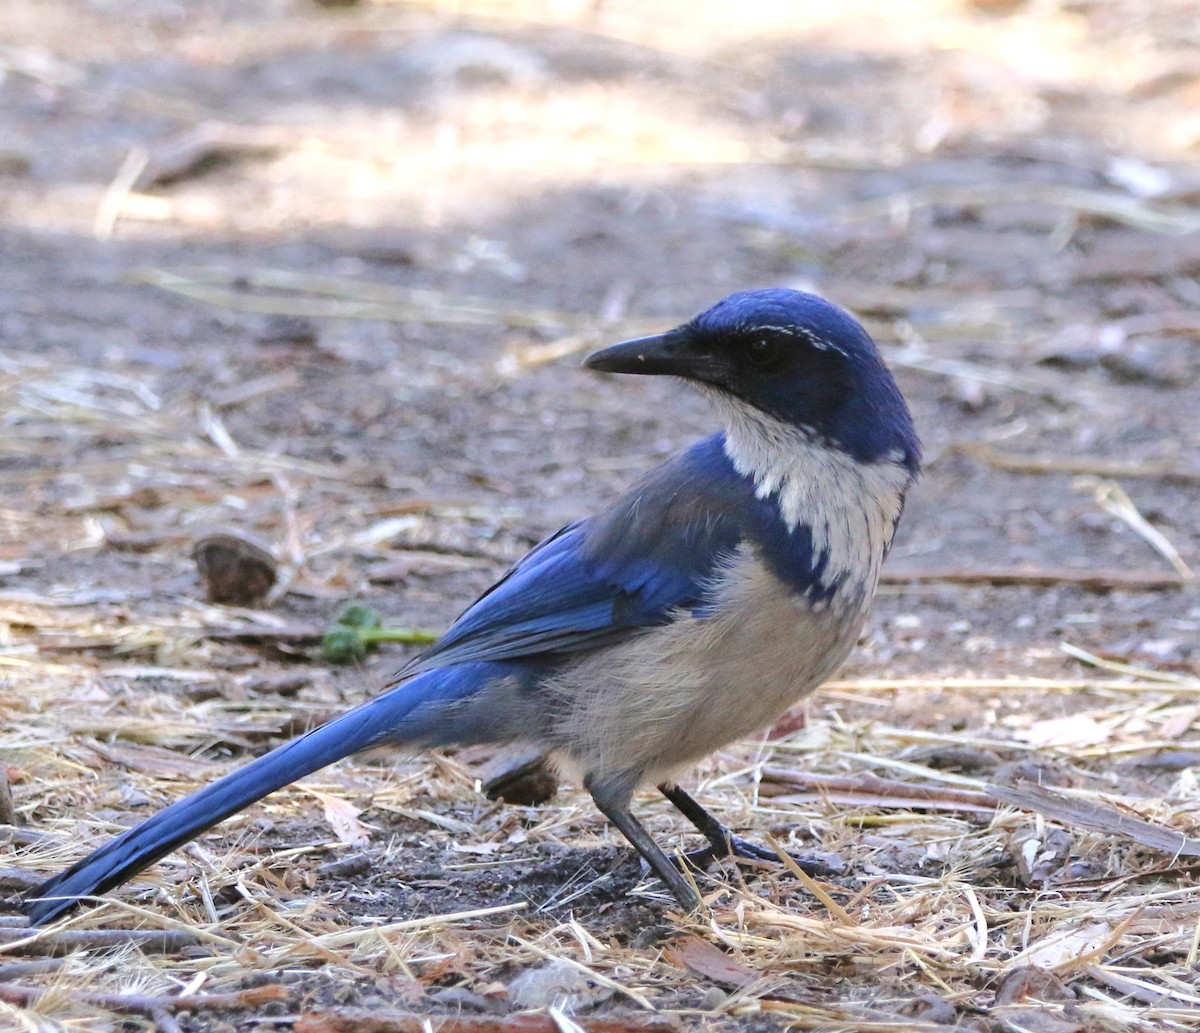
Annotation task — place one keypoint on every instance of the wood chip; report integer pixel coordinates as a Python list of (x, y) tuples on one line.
[(708, 961), (236, 569)]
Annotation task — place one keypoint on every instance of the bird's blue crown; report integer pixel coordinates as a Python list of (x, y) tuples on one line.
[(811, 365)]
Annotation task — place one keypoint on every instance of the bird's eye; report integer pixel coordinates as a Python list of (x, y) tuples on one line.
[(763, 352)]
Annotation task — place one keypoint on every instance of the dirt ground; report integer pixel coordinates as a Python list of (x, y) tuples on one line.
[(322, 274)]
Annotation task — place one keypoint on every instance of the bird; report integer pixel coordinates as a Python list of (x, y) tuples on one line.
[(696, 608)]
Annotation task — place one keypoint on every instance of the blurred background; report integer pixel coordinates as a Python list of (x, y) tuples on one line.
[(320, 274)]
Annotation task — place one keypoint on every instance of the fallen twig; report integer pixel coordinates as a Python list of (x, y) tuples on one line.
[(1090, 579), (867, 789), (1074, 465), (23, 969), (1142, 989), (1097, 816), (149, 941), (346, 937), (1147, 681), (149, 1004)]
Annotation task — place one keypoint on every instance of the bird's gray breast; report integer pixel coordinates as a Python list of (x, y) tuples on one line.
[(675, 693)]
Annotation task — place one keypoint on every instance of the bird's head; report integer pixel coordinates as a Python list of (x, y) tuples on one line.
[(794, 357)]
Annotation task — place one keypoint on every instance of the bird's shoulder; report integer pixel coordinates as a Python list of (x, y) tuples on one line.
[(694, 512), (633, 565), (657, 551)]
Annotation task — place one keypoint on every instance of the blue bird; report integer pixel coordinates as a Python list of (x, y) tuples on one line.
[(694, 610)]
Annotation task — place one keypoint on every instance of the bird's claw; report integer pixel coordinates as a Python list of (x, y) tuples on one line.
[(745, 850)]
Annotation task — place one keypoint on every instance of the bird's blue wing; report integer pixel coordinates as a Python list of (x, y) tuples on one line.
[(635, 565)]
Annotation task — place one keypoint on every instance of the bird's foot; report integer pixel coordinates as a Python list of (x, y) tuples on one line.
[(729, 845), (722, 843)]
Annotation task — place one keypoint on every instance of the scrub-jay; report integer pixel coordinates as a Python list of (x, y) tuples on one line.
[(695, 609)]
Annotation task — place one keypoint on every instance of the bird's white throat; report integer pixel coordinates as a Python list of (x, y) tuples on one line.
[(850, 507)]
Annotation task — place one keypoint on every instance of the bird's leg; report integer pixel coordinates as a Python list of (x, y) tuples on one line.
[(615, 808), (722, 843)]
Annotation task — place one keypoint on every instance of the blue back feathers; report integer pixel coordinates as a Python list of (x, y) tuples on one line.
[(655, 552)]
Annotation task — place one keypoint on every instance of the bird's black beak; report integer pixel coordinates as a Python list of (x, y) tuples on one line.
[(671, 354)]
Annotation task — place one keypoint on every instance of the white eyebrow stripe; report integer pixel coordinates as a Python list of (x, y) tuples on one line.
[(817, 342)]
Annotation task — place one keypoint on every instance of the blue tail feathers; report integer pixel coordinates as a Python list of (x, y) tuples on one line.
[(425, 711)]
